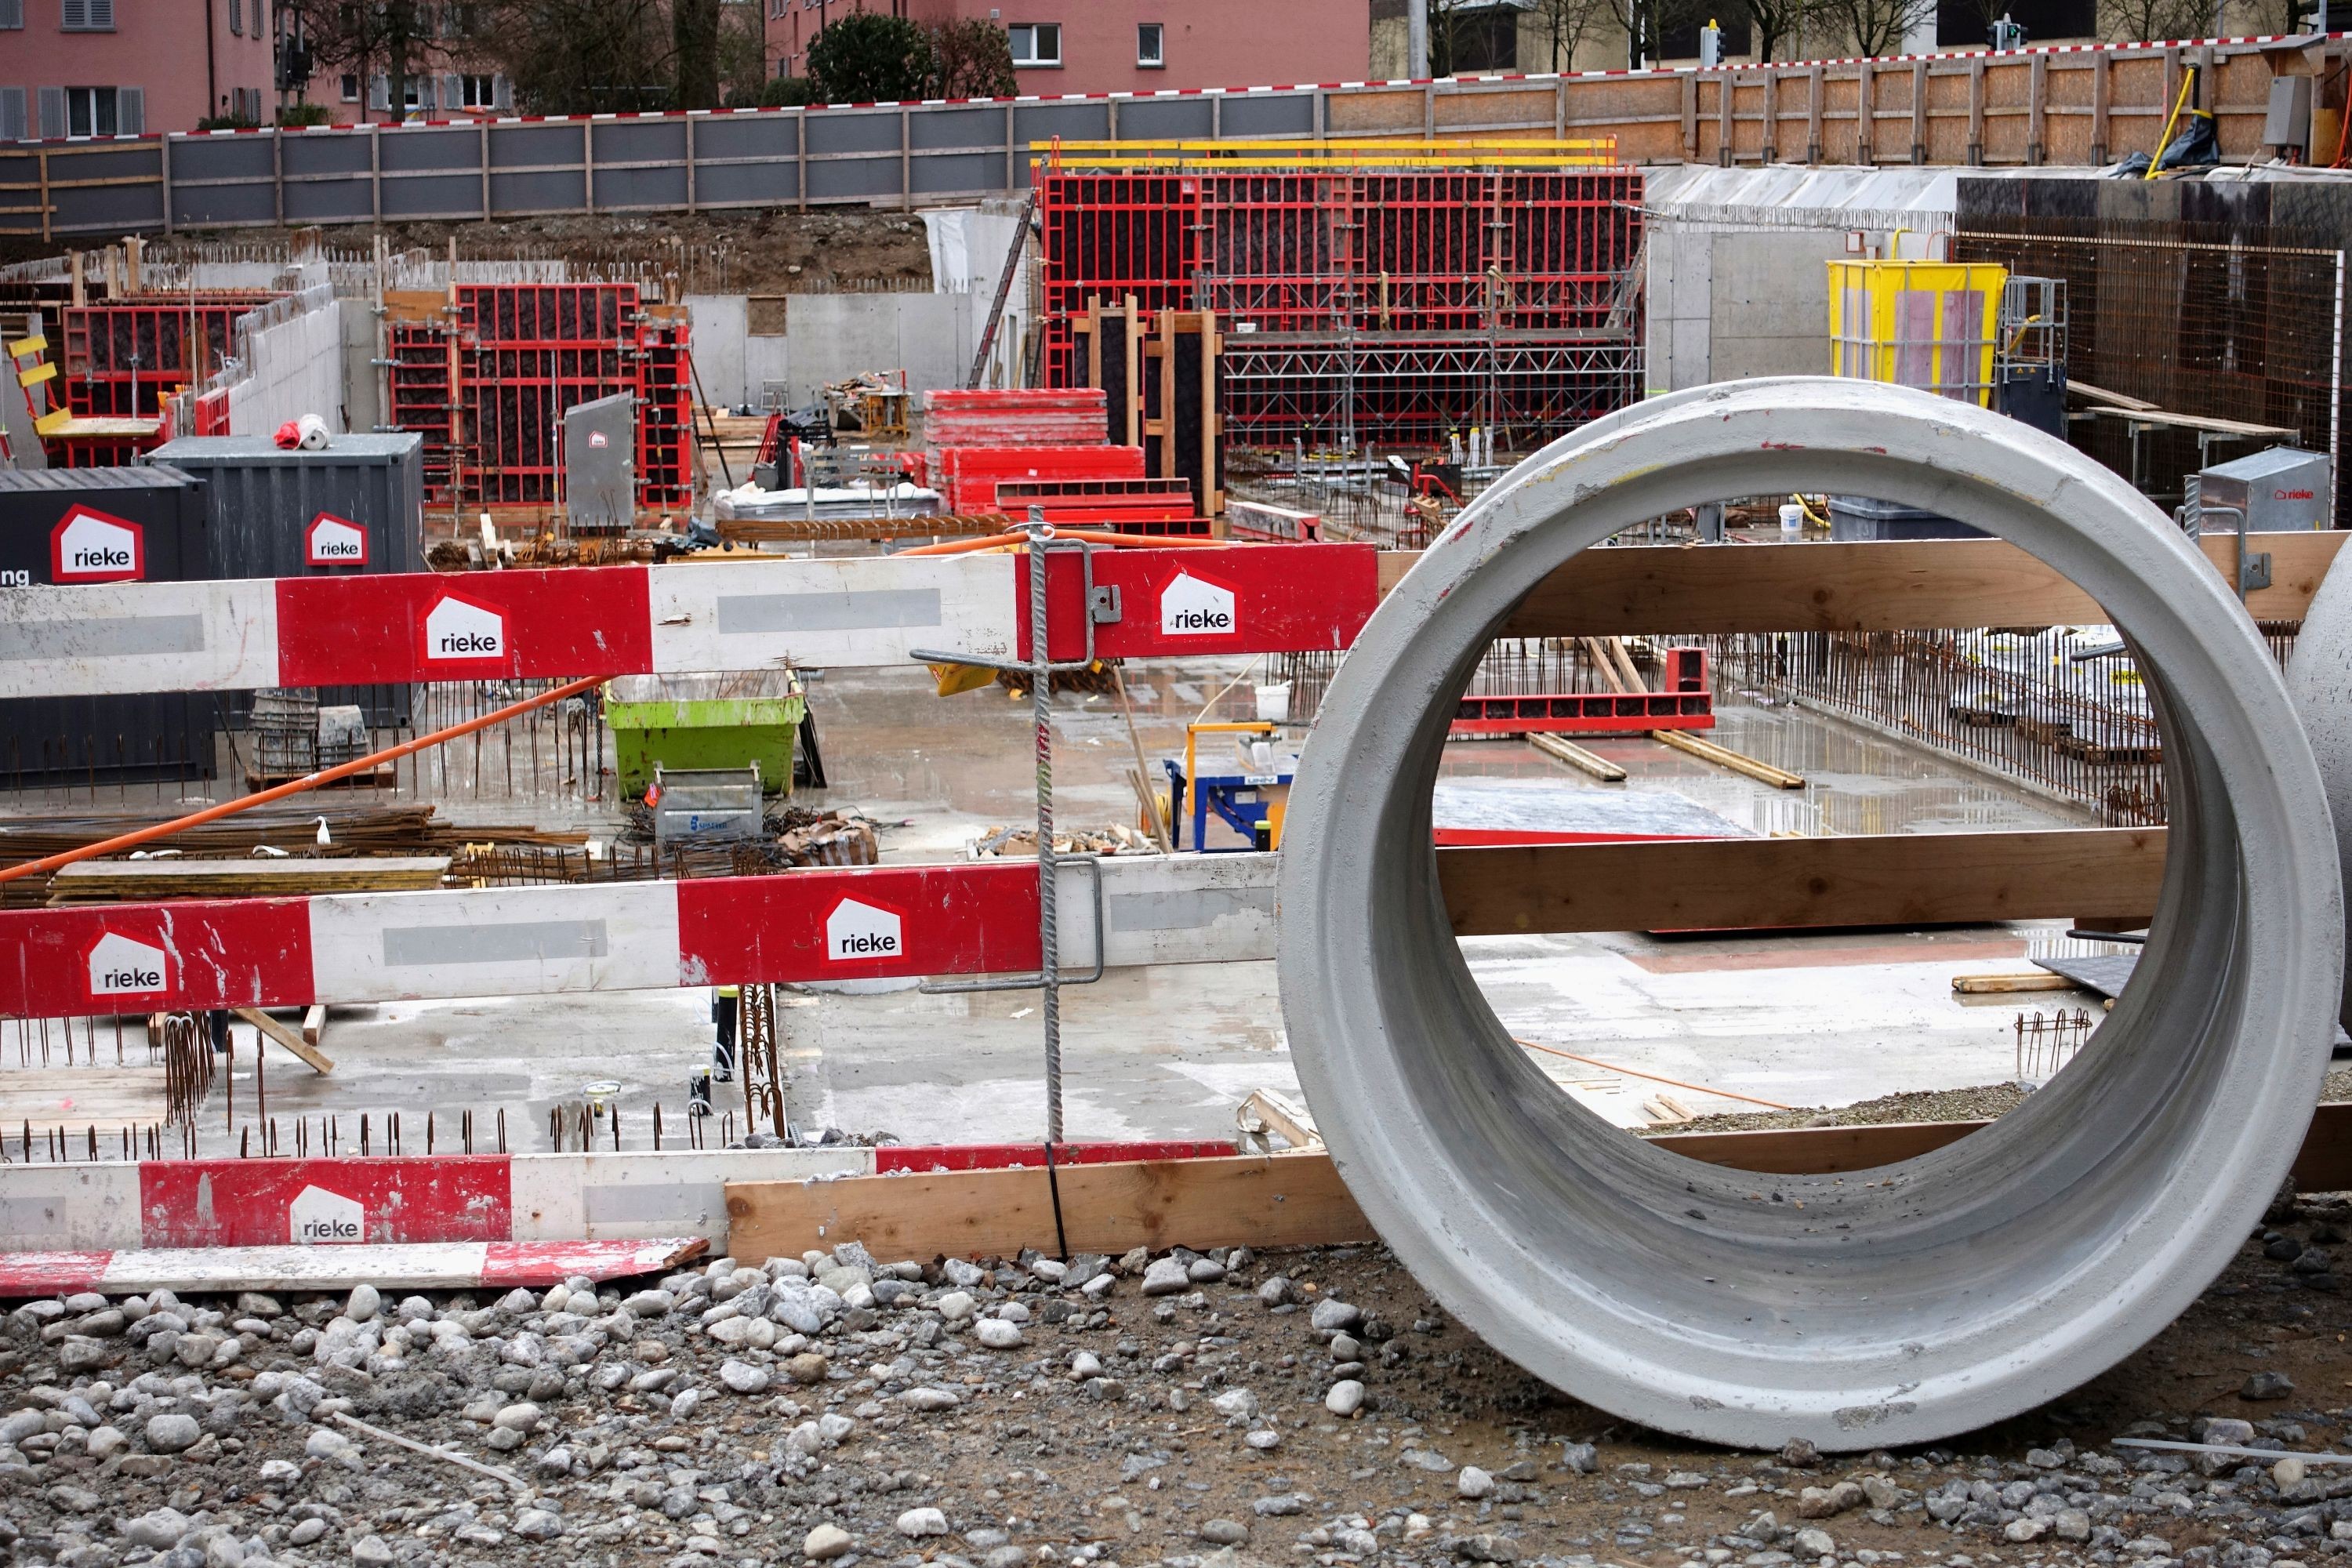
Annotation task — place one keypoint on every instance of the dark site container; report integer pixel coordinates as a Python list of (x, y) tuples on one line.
[(358, 505), (102, 525)]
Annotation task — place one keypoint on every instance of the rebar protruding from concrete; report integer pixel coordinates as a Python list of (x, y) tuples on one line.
[(1869, 1309)]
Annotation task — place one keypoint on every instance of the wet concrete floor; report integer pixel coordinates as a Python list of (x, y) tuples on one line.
[(1169, 1051)]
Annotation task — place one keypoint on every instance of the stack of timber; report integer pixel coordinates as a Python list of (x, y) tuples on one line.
[(148, 881), (353, 830)]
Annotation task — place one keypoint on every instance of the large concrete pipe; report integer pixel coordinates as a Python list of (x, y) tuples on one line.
[(2319, 680), (1902, 1304)]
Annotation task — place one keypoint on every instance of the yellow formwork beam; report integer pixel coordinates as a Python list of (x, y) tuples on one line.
[(1355, 153)]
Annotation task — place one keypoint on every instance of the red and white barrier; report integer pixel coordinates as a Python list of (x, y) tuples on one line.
[(746, 614), (815, 924), (506, 1216), (447, 1265)]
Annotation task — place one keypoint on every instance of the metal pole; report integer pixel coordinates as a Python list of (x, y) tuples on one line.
[(1041, 708), (1416, 39)]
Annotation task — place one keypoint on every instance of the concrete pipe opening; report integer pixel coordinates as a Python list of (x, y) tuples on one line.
[(1895, 1305)]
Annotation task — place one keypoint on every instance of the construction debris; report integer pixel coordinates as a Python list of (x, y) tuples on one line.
[(1021, 842)]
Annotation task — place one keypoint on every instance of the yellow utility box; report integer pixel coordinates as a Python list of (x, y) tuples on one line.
[(1929, 324)]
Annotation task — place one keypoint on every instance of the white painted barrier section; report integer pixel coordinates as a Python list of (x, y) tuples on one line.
[(501, 941), (139, 637), (1172, 909), (69, 1208), (756, 615), (631, 1195)]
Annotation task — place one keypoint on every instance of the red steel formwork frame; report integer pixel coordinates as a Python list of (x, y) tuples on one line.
[(490, 401), (1368, 305), (123, 357)]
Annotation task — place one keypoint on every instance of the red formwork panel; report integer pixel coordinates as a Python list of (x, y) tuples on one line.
[(487, 388), (1016, 417), (1127, 506), (1367, 306), (1685, 702), (123, 357), (967, 476)]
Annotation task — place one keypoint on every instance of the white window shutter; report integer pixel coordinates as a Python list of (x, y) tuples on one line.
[(235, 19), (73, 14), (102, 14), (53, 112), (12, 14), (379, 91), (130, 110), (453, 93), (260, 30), (502, 94), (12, 114)]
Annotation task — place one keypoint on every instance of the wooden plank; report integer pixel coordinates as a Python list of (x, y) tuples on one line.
[(314, 1023), (1287, 1200), (1723, 884), (291, 1038), (1898, 586), (1232, 1201)]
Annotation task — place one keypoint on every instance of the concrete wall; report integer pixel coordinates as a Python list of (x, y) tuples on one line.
[(1729, 306), (832, 337)]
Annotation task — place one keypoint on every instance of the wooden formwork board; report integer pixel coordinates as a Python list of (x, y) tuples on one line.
[(1294, 1199), (1725, 884), (1899, 586)]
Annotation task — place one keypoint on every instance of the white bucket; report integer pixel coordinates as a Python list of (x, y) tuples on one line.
[(1274, 702), (1793, 522)]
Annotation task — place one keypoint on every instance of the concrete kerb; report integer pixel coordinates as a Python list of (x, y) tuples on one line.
[(1905, 1304)]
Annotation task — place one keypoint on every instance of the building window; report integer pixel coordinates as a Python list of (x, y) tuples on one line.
[(351, 86), (235, 19), (1035, 43), (258, 31), (1150, 49), (11, 17), (478, 91), (90, 112), (86, 16)]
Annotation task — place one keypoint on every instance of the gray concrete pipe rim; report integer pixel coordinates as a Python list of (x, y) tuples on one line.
[(2319, 680), (1972, 1283)]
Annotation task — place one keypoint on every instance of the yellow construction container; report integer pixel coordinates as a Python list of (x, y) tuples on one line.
[(1929, 324)]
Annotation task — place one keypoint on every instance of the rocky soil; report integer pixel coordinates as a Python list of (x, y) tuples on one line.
[(1198, 1411)]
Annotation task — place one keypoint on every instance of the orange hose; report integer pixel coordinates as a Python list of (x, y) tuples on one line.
[(1653, 1078), (297, 786)]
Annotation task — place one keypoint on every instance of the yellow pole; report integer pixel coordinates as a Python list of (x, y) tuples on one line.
[(2188, 80)]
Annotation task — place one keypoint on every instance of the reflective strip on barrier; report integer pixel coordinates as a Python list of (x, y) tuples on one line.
[(676, 619), (814, 924)]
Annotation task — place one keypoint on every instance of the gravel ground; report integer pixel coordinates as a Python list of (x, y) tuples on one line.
[(1980, 1104), (1202, 1412)]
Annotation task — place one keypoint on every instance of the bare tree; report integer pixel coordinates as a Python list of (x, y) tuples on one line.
[(363, 36), (1568, 25), (1782, 24), (694, 39), (1878, 27), (2136, 21), (582, 57)]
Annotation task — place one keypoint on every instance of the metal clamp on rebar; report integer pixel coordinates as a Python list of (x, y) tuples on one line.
[(1030, 979)]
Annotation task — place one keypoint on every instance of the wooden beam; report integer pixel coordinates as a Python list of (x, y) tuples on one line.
[(291, 1038), (314, 1023), (1279, 1199), (1284, 1200), (1897, 586), (1722, 884)]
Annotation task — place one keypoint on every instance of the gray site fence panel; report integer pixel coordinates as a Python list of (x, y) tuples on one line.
[(905, 154)]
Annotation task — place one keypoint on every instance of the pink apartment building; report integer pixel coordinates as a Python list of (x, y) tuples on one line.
[(1126, 45), (105, 67)]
